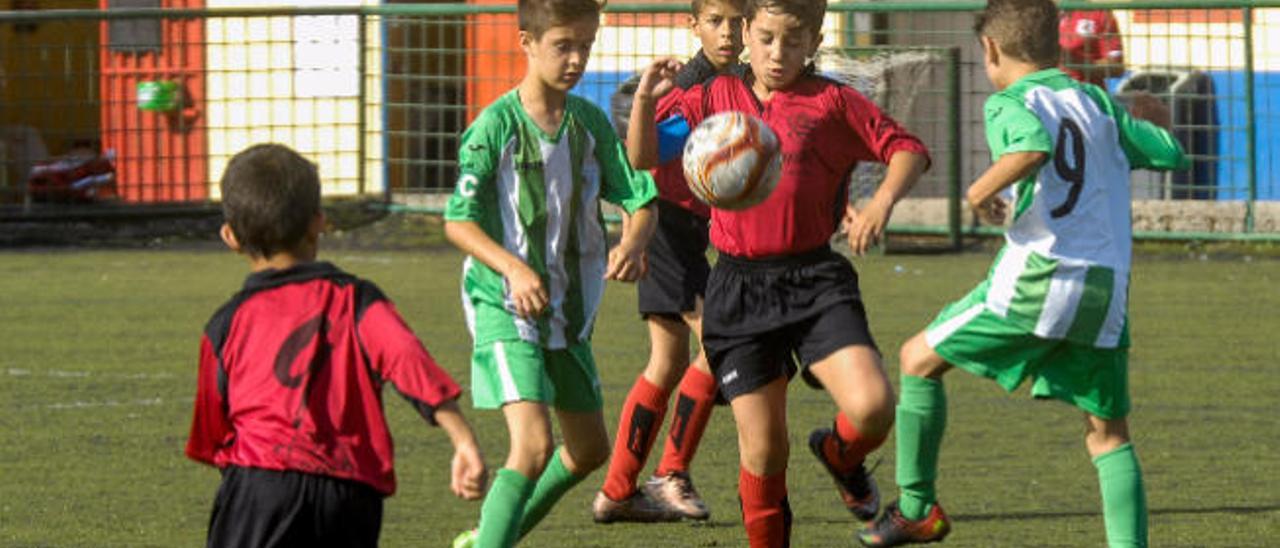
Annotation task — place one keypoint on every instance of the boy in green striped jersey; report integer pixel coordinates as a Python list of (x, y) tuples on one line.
[(1053, 308), (526, 210)]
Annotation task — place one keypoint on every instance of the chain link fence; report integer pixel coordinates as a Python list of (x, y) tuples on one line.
[(124, 107)]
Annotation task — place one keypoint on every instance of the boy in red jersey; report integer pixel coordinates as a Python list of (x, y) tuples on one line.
[(777, 287), (288, 401), (670, 300)]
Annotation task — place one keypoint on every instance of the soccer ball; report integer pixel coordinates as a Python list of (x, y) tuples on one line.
[(732, 161)]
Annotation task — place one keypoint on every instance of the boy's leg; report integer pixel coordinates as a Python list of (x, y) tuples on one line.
[(586, 447), (922, 422), (763, 447), (1124, 501), (529, 426), (646, 405), (855, 378), (695, 400)]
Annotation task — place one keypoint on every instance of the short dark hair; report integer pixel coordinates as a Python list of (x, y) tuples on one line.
[(698, 5), (1026, 30), (536, 16), (809, 12), (270, 196)]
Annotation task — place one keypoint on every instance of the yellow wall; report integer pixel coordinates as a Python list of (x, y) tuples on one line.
[(294, 81)]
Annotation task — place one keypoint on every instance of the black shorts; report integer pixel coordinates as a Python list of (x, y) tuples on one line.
[(760, 315), (678, 265), (256, 507)]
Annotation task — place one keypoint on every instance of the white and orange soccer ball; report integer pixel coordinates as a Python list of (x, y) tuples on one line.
[(732, 161)]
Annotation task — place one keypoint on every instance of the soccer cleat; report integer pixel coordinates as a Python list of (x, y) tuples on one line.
[(465, 539), (894, 529), (639, 507), (676, 491), (857, 488)]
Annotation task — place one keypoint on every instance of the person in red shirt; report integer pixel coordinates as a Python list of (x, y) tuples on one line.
[(1092, 50), (288, 398), (670, 300), (777, 288)]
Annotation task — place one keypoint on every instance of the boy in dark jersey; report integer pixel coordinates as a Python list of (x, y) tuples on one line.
[(777, 287), (670, 300), (288, 401)]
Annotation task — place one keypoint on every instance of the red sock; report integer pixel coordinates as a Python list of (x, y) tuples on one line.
[(847, 449), (696, 397), (765, 511), (637, 429)]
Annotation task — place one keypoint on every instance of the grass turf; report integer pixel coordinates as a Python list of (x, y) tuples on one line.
[(97, 372)]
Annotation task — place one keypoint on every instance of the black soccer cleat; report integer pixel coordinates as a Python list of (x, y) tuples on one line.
[(857, 488)]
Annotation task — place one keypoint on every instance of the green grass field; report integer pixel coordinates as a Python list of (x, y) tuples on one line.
[(98, 358)]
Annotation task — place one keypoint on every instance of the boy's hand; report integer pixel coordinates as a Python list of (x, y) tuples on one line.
[(527, 292), (468, 474), (865, 228), (626, 263), (992, 211), (658, 78)]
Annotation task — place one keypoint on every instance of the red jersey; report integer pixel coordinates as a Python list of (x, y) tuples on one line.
[(291, 375), (1087, 37), (824, 129), (669, 176)]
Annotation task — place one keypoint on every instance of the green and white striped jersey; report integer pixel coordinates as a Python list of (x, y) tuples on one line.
[(1064, 270), (538, 196)]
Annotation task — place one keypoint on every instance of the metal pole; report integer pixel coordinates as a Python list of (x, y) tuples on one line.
[(1251, 123), (953, 128), (361, 115)]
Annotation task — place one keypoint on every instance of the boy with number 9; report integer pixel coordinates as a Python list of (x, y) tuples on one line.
[(1053, 307), (526, 210)]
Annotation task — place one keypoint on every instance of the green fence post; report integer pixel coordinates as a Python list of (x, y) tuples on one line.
[(1251, 122), (953, 127)]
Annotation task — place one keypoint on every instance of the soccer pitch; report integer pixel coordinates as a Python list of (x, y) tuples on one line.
[(98, 353)]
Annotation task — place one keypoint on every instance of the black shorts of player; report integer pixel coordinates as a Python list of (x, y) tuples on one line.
[(678, 265), (761, 314), (257, 507)]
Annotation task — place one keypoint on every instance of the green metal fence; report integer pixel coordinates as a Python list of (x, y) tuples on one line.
[(135, 108)]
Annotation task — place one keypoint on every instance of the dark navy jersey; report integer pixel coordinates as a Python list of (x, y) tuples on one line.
[(291, 376), (824, 129)]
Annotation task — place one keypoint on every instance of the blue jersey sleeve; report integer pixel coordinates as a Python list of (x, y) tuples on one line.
[(672, 134)]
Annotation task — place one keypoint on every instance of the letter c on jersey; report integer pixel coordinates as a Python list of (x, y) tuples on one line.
[(467, 185)]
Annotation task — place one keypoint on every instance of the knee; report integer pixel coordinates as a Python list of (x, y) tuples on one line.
[(873, 412), (916, 359), (1103, 436), (764, 457), (590, 456), (530, 455)]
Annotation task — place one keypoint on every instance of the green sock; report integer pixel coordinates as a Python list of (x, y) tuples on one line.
[(554, 482), (921, 421), (1124, 501), (502, 509)]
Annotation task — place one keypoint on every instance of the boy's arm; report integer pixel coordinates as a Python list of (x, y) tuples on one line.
[(398, 357), (866, 227), (627, 261), (642, 137), (880, 139), (528, 293), (467, 475), (1009, 169), (210, 426)]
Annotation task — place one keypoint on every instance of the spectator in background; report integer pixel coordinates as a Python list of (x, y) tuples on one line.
[(1091, 47)]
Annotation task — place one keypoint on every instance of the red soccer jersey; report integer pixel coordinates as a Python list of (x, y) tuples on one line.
[(291, 375), (824, 129), (1087, 37)]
